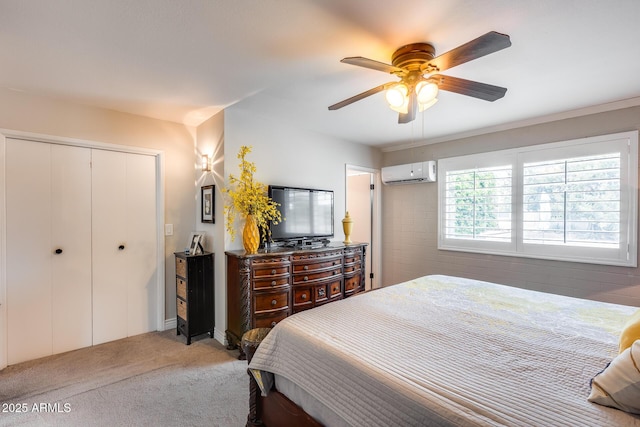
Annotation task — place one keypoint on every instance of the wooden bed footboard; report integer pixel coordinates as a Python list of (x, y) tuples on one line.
[(275, 409)]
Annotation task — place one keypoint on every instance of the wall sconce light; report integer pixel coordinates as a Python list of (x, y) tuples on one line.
[(206, 166)]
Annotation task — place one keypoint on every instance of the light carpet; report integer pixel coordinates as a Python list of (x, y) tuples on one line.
[(152, 379)]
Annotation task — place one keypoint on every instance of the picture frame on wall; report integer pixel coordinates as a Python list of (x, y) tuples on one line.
[(207, 201), (196, 242)]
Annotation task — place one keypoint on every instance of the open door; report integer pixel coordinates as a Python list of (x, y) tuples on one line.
[(362, 202)]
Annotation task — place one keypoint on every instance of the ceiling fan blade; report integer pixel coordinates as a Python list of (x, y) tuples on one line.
[(468, 87), (359, 96), (411, 111), (477, 48), (370, 63)]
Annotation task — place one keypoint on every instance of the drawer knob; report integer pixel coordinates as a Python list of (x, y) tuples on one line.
[(273, 283), (306, 267), (273, 271), (121, 248), (304, 296), (321, 292), (58, 251), (305, 278), (273, 324), (273, 302)]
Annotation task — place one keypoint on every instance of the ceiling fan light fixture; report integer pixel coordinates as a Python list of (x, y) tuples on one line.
[(397, 95), (415, 65), (426, 91)]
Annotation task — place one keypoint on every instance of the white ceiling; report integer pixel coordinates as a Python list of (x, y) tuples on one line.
[(186, 60)]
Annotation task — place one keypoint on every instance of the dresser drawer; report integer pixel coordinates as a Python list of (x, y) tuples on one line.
[(352, 284), (316, 256), (350, 259), (334, 289), (302, 296), (313, 277), (181, 308), (270, 271), (270, 267), (181, 288), (349, 268), (269, 321), (271, 301), (271, 283), (317, 265), (181, 267)]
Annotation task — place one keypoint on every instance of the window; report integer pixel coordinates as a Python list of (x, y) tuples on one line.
[(572, 200), (478, 203)]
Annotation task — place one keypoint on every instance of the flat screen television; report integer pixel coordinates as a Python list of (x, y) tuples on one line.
[(307, 214)]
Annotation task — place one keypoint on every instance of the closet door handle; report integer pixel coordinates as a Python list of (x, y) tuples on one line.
[(58, 251), (121, 248)]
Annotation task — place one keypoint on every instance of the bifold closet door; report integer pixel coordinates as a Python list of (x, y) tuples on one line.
[(124, 245), (71, 240), (142, 258), (48, 274)]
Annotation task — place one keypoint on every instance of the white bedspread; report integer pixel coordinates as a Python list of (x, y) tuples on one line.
[(448, 351)]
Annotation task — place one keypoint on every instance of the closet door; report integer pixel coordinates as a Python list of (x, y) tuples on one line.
[(29, 257), (109, 185), (48, 293), (124, 245), (71, 236), (142, 260)]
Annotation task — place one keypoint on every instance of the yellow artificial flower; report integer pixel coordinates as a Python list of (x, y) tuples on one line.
[(249, 197)]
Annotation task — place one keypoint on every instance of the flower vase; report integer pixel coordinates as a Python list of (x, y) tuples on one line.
[(251, 235), (347, 227)]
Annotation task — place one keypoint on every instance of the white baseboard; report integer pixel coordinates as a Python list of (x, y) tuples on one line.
[(170, 324), (218, 335)]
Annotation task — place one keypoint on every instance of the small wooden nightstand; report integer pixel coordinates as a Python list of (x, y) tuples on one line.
[(195, 299)]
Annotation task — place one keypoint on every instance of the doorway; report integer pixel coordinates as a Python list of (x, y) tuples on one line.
[(363, 204)]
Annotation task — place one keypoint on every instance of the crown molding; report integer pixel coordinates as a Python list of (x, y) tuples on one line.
[(601, 108)]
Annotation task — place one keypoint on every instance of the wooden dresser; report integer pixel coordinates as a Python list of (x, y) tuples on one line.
[(264, 288), (195, 298)]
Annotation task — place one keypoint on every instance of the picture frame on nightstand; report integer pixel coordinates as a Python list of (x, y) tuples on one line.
[(195, 243)]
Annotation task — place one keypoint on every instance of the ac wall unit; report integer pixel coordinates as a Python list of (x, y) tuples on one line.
[(410, 173)]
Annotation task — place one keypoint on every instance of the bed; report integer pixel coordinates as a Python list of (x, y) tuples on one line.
[(440, 351)]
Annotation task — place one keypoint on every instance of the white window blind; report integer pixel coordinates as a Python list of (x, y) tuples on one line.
[(478, 204), (572, 200)]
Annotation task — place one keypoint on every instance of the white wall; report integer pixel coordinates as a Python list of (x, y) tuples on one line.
[(210, 141), (285, 155), (410, 221)]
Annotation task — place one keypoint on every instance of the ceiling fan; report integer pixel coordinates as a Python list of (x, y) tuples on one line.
[(415, 65)]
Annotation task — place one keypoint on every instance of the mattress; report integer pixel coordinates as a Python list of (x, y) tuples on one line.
[(441, 350)]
